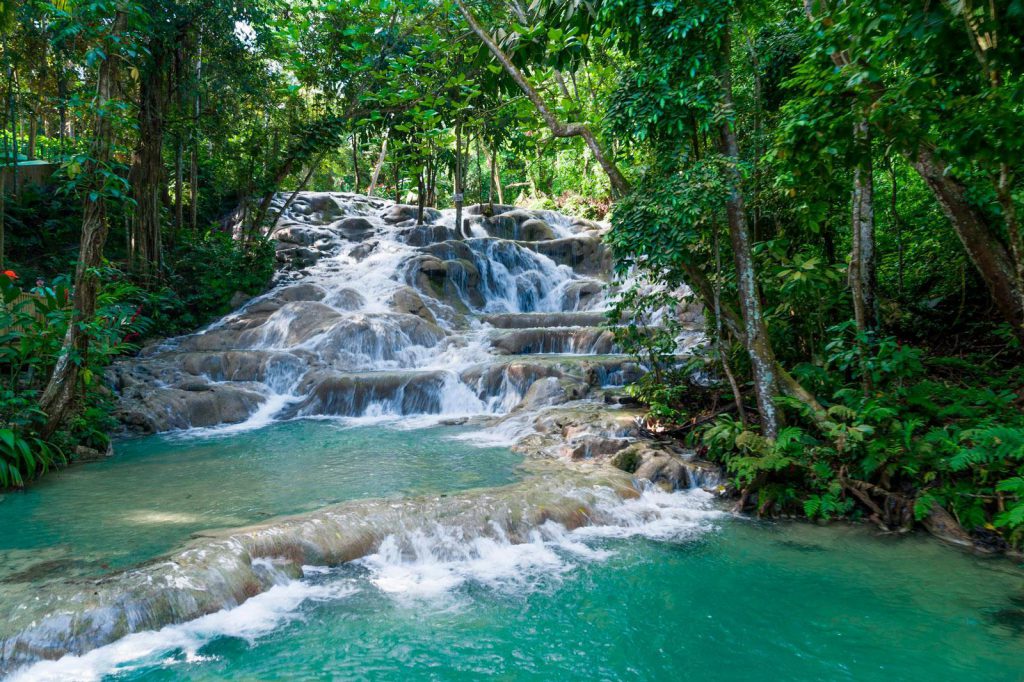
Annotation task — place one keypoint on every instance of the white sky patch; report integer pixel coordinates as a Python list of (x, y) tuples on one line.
[(246, 34)]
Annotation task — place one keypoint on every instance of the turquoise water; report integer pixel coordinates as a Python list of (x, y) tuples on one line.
[(742, 601), (678, 590), (156, 491)]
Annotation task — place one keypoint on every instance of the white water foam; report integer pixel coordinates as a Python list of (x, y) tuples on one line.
[(255, 618), (422, 565), (433, 564)]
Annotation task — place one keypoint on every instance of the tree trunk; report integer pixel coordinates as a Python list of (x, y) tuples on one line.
[(457, 184), (58, 397), (762, 358), (62, 105), (986, 250), (496, 177), (12, 113), (193, 177), (147, 172), (398, 179), (618, 181), (862, 259), (490, 184), (33, 131), (420, 198), (897, 223), (355, 161), (380, 163), (179, 183)]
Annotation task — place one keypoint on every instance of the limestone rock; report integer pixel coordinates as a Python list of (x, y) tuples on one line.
[(406, 300)]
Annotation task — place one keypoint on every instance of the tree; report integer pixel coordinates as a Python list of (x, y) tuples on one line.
[(100, 182)]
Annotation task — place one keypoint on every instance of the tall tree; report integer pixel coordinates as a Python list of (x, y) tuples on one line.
[(58, 397)]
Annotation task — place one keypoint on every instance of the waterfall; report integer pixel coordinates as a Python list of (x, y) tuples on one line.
[(373, 315)]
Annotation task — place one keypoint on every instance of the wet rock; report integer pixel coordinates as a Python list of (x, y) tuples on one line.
[(534, 230), (347, 299), (664, 471), (292, 324), (488, 209), (367, 341), (455, 282), (552, 391), (585, 254), (212, 340), (352, 395), (398, 213), (579, 341), (628, 460), (355, 229), (166, 409), (298, 257), (537, 320), (425, 235), (407, 301), (363, 251), (238, 299), (84, 453), (582, 295), (300, 292)]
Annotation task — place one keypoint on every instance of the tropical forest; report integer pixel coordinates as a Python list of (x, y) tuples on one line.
[(511, 339)]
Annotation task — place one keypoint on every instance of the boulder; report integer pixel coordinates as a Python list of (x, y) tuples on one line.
[(166, 409), (407, 301), (585, 254), (398, 213), (582, 295), (552, 391), (424, 235), (363, 251), (300, 292), (534, 230), (355, 229), (347, 299)]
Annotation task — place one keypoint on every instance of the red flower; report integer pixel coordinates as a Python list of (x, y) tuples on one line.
[(11, 274)]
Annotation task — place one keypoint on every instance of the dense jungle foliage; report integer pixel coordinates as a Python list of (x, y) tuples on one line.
[(837, 184)]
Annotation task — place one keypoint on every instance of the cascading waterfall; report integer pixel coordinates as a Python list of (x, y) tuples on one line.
[(374, 315)]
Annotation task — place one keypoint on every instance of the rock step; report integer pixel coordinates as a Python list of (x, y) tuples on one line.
[(540, 320), (594, 370), (555, 340), (355, 394)]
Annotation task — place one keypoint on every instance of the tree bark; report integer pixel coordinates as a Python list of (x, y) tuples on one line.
[(58, 396), (618, 181), (986, 250), (355, 161), (193, 177), (380, 163), (863, 278), (458, 184), (762, 358), (33, 131), (147, 172), (179, 182), (420, 198)]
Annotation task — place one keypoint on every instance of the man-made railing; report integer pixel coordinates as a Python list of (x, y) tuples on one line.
[(25, 303)]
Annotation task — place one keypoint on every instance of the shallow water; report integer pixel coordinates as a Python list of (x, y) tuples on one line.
[(158, 490), (727, 601)]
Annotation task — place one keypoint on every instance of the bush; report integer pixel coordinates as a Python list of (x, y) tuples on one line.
[(204, 272), (32, 328)]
